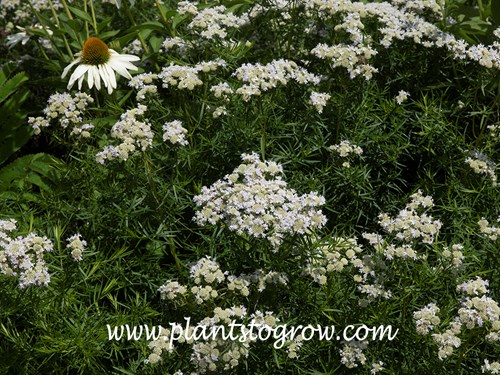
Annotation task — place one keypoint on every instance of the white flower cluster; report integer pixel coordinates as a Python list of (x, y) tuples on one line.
[(477, 310), (222, 90), (176, 42), (175, 133), (23, 256), (426, 319), (352, 354), (293, 347), (490, 368), (215, 354), (491, 232), (214, 22), (399, 21), (219, 111), (131, 132), (494, 131), (258, 77), (402, 96), (133, 48), (23, 11), (206, 270), (318, 100), (171, 290), (186, 77), (419, 6), (345, 149), (351, 57), (474, 287), (262, 279), (68, 110), (144, 84), (377, 367), (455, 255), (480, 164), (448, 340), (77, 246), (255, 200), (409, 225), (333, 257)]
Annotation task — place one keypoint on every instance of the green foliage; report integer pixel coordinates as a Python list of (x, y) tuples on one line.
[(13, 130), (136, 212), (27, 175)]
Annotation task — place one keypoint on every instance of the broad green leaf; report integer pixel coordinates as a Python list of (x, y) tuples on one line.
[(8, 87), (81, 14)]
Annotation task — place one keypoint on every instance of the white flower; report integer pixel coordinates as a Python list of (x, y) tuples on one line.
[(98, 61)]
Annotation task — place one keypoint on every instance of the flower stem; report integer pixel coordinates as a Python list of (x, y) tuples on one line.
[(132, 21), (160, 10), (93, 16), (66, 8), (85, 9), (58, 23), (49, 36)]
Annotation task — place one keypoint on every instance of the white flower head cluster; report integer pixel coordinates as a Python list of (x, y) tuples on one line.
[(492, 232), (219, 111), (222, 90), (419, 6), (332, 257), (134, 48), (68, 110), (318, 100), (256, 201), (214, 22), (176, 43), (399, 21), (23, 256), (144, 84), (22, 11), (133, 134), (77, 246), (490, 368), (171, 290), (213, 354), (207, 271), (481, 164), (455, 255), (426, 319), (448, 340), (352, 354), (186, 77), (402, 96), (377, 367), (258, 78), (175, 133), (187, 7), (475, 287), (351, 57), (409, 225), (476, 310), (262, 279), (293, 346), (345, 149), (494, 131)]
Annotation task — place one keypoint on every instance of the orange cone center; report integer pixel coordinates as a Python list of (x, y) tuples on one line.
[(95, 52)]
